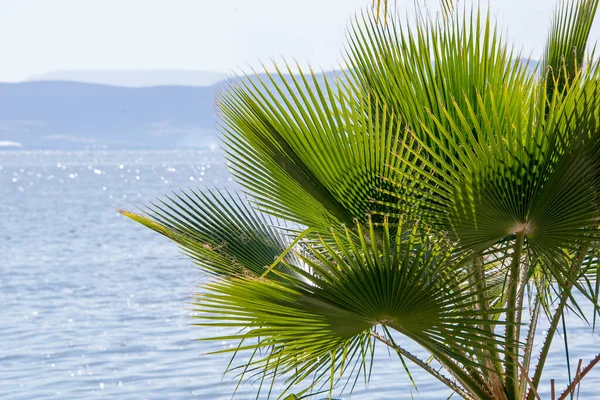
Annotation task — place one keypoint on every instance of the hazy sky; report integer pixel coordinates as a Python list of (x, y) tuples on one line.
[(38, 36)]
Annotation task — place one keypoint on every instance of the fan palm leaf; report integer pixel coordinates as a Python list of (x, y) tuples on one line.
[(308, 150), (407, 281)]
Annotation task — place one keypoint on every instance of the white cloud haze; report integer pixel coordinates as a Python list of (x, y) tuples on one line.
[(39, 36)]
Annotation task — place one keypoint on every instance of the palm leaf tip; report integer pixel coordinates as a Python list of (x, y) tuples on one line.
[(567, 41), (147, 222), (220, 232)]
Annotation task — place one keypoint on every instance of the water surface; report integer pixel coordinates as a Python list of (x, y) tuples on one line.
[(93, 305)]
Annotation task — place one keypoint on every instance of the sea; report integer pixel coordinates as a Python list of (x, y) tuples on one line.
[(93, 305)]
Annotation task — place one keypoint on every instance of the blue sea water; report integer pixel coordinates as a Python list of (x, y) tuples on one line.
[(93, 305)]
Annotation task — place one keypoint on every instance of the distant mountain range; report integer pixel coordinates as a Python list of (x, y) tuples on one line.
[(59, 114), (135, 78), (74, 115), (71, 115)]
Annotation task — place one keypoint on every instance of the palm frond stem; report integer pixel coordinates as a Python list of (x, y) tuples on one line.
[(527, 378), (435, 373), (579, 377), (555, 321), (512, 323), (475, 386), (494, 372), (529, 341)]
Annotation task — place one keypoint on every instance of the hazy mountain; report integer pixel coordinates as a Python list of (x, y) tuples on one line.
[(77, 115), (73, 115), (135, 78)]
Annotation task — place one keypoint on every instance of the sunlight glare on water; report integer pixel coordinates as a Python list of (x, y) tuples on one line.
[(96, 306)]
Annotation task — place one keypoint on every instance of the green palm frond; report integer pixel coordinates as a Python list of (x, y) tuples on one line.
[(522, 180), (308, 150), (432, 68), (220, 232), (567, 41), (406, 280)]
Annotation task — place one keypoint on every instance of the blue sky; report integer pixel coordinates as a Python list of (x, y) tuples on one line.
[(39, 36)]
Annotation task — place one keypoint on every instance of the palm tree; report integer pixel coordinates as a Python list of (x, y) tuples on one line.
[(438, 192)]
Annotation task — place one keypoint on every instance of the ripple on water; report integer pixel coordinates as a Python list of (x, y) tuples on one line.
[(94, 306)]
